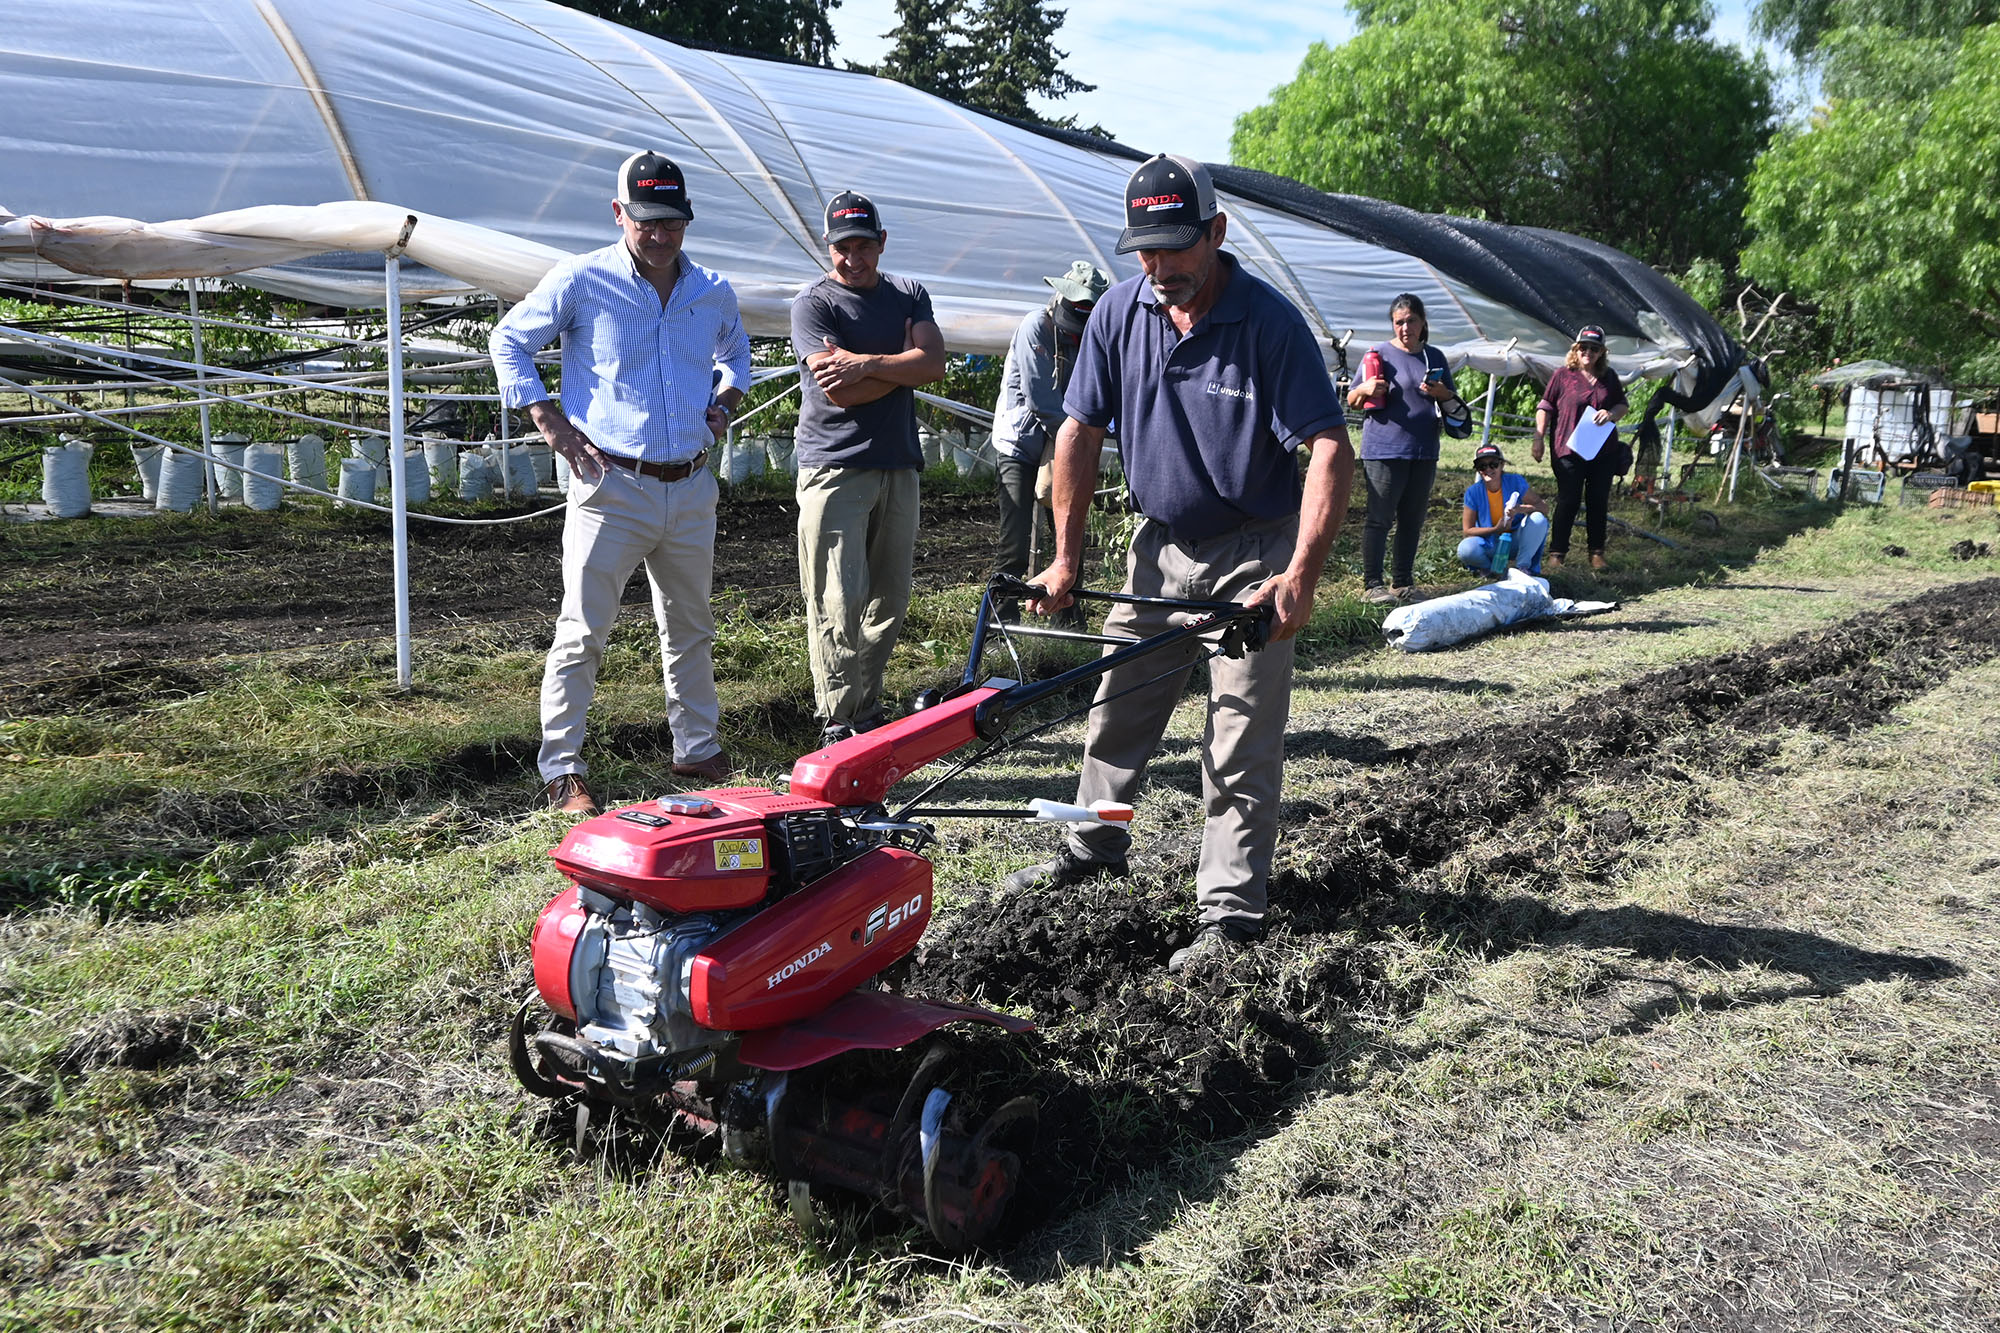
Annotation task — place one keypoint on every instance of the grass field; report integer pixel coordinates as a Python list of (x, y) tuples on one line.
[(1636, 972)]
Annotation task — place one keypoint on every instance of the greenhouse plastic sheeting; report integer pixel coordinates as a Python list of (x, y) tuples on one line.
[(150, 140)]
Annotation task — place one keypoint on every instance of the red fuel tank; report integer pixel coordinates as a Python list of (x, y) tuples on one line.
[(815, 946), (698, 852)]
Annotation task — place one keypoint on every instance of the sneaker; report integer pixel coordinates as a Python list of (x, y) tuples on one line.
[(714, 768), (568, 794), (1404, 593), (834, 733), (1066, 870), (1215, 940), (878, 718), (1378, 595)]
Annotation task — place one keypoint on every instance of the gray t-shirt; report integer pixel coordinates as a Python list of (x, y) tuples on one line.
[(881, 434)]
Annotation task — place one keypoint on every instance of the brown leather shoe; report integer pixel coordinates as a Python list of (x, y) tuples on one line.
[(1597, 560), (1553, 560), (568, 794), (714, 768)]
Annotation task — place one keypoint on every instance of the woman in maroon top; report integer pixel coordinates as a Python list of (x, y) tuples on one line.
[(1586, 383)]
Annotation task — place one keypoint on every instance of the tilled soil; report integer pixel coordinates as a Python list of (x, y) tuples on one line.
[(1223, 1048), (133, 615)]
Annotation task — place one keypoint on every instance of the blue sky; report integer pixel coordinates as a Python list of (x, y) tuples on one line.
[(1173, 77)]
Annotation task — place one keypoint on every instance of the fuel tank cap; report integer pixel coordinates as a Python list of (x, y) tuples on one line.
[(688, 805)]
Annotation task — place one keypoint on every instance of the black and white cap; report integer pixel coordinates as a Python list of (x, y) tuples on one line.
[(849, 215), (1168, 203), (651, 188)]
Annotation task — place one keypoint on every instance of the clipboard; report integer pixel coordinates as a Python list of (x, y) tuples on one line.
[(1588, 438)]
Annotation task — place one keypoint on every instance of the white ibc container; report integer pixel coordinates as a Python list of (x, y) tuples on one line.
[(66, 481), (306, 458), (357, 479), (146, 457), (261, 490), (181, 482)]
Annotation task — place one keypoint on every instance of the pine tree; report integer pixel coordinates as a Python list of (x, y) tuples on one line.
[(1015, 58), (794, 29), (927, 48)]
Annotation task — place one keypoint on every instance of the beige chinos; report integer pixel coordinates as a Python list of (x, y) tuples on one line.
[(1249, 703), (857, 541), (611, 526)]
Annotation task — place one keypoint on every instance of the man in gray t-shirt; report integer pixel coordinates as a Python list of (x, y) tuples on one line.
[(865, 340)]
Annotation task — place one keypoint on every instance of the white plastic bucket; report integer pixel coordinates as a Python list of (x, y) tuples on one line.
[(357, 479), (261, 490), (66, 481), (181, 482), (146, 457), (306, 457)]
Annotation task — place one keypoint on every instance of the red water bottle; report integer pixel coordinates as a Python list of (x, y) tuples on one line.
[(1371, 369)]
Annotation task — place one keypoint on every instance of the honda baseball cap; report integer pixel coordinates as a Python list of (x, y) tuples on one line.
[(1168, 203), (849, 215), (1590, 336), (650, 188), (1486, 453)]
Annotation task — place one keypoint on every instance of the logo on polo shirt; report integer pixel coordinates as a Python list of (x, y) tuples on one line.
[(1225, 391), (1153, 203)]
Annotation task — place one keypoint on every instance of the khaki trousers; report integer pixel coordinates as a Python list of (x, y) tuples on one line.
[(610, 527), (1249, 702), (857, 538)]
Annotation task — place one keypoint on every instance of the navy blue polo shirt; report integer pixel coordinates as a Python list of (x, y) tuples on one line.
[(1206, 423)]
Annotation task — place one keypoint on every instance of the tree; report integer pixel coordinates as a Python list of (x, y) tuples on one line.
[(1015, 58), (927, 49), (793, 29), (994, 55), (1625, 121), (1801, 26), (1881, 209)]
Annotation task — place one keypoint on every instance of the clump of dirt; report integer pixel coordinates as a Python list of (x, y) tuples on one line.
[(1222, 1047), (118, 686), (1970, 550), (1894, 551)]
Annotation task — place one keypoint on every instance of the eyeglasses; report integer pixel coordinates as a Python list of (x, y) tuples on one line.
[(1487, 465), (671, 226)]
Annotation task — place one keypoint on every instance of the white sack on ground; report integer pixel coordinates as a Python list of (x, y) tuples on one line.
[(1444, 621)]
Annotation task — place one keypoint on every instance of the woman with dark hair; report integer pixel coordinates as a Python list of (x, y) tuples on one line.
[(1403, 387), (1586, 385)]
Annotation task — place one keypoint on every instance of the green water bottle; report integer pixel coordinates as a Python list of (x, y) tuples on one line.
[(1503, 553)]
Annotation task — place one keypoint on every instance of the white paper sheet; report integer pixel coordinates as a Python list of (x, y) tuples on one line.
[(1588, 437)]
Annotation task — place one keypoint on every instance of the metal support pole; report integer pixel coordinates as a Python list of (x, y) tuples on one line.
[(201, 389), (506, 417), (1667, 451), (1486, 426), (392, 282)]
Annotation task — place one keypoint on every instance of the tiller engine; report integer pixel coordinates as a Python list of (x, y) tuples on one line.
[(718, 952)]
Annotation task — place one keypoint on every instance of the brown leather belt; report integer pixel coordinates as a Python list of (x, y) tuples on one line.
[(662, 471)]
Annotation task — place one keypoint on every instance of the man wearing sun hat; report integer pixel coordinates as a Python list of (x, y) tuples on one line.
[(654, 356), (1214, 381), (865, 340), (1029, 409)]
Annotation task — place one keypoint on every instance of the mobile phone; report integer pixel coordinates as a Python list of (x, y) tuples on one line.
[(1434, 376)]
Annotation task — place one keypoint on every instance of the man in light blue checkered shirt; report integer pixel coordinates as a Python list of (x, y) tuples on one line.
[(654, 358)]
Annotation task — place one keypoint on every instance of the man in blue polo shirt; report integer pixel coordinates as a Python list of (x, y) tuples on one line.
[(1214, 381), (644, 331)]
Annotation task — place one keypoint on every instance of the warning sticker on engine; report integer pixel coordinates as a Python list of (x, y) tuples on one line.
[(739, 854)]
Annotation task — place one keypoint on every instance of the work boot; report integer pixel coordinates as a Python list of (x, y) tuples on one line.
[(1214, 940), (568, 794), (714, 768), (834, 733), (1067, 870)]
